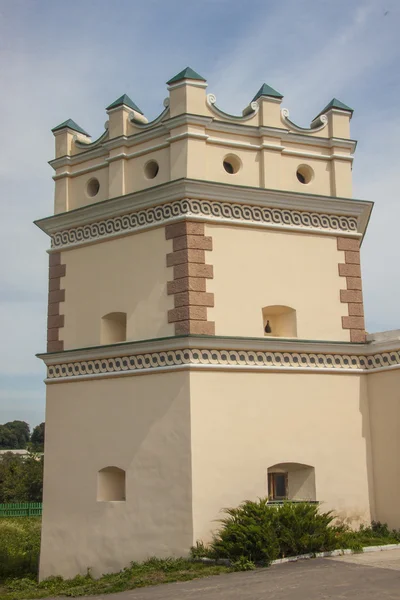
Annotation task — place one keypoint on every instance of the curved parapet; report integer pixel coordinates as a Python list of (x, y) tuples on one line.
[(145, 124), (248, 112), (318, 124), (83, 145)]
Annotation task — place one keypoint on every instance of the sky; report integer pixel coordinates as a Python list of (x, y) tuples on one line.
[(61, 60)]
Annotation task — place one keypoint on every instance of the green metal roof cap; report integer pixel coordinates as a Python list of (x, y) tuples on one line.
[(187, 73), (335, 103), (70, 124), (124, 100), (267, 90)]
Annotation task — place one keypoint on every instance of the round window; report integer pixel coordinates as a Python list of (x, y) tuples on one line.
[(93, 187), (232, 164), (151, 169), (304, 174)]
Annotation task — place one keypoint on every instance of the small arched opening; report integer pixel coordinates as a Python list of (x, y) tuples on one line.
[(113, 328), (111, 485), (279, 321), (291, 481)]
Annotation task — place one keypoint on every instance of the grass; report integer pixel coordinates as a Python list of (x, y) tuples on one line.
[(152, 572)]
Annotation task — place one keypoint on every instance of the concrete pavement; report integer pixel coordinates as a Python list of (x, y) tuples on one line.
[(368, 576)]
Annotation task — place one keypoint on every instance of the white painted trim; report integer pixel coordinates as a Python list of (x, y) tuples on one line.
[(81, 171), (187, 135), (187, 81)]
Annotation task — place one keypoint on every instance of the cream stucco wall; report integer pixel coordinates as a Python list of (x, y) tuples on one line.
[(244, 423), (127, 275), (139, 424), (384, 399), (257, 268)]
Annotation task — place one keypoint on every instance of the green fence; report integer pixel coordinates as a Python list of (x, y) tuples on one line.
[(21, 509)]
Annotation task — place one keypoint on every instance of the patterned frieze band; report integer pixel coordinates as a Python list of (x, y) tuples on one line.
[(216, 211), (212, 358)]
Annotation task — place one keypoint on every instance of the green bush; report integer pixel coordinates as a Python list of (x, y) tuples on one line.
[(19, 547), (261, 532)]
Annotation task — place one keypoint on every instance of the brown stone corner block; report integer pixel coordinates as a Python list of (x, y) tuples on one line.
[(56, 271), (185, 284), (346, 270), (357, 335), (193, 270), (55, 346), (55, 321), (184, 228), (53, 308), (351, 295), (187, 255), (54, 284), (345, 243), (353, 323), (196, 242), (356, 309), (194, 299), (183, 313), (354, 283), (56, 296), (352, 258), (54, 259), (195, 327), (52, 334)]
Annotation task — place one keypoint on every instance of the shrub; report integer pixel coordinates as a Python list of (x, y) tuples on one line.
[(19, 547), (261, 532)]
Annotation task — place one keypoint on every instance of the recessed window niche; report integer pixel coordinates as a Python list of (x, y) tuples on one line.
[(279, 321), (113, 328), (291, 481), (151, 169), (232, 164), (111, 485), (304, 174), (93, 187)]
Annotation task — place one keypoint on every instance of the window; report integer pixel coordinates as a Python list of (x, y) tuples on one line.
[(232, 164), (277, 486), (113, 328), (111, 485)]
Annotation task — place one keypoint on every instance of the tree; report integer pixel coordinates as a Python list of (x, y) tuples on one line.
[(21, 478), (37, 438), (14, 434)]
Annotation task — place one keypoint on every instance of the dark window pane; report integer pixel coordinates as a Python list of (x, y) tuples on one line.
[(280, 485)]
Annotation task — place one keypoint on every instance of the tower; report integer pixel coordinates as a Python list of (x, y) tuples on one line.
[(206, 339)]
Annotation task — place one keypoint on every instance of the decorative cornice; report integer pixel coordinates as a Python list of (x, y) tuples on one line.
[(210, 353), (211, 202)]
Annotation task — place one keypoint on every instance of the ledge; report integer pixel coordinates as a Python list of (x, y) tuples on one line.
[(219, 353)]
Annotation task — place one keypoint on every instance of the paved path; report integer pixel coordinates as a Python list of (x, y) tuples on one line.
[(369, 576)]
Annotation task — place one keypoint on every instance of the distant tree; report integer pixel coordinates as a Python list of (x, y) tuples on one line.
[(21, 478), (37, 438), (8, 439), (14, 434)]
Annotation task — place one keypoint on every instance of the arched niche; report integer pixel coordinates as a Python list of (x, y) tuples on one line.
[(291, 481), (113, 328), (111, 485), (279, 321)]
